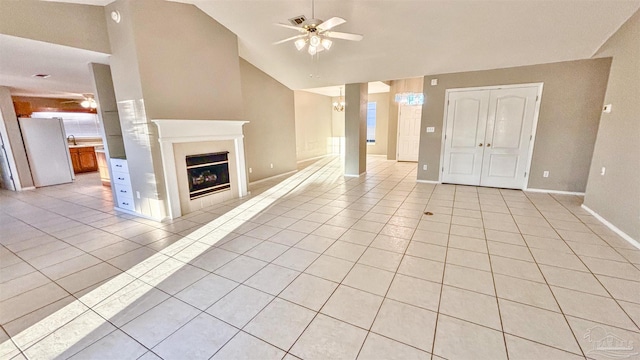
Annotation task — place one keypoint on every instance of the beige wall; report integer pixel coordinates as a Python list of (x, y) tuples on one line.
[(569, 115), (398, 86), (337, 120), (192, 71), (270, 137), (355, 129), (313, 117), (188, 63), (382, 124), (616, 195), (75, 25)]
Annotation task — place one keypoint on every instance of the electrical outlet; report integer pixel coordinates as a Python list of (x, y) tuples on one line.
[(545, 174), (603, 170), (434, 82), (431, 129), (250, 170), (424, 167), (272, 166)]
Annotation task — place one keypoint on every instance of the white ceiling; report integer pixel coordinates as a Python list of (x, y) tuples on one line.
[(402, 39), (21, 58), (375, 87), (411, 38)]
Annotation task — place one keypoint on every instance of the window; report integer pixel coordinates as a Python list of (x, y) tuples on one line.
[(371, 123)]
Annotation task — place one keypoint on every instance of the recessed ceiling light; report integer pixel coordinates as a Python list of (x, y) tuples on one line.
[(42, 76)]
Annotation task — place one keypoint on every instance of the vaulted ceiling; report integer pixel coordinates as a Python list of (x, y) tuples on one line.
[(410, 38)]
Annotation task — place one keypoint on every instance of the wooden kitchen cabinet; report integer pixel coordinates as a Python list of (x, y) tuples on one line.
[(83, 159)]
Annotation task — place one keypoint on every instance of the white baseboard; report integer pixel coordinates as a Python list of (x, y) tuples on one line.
[(555, 192), (428, 182), (354, 176), (614, 228), (273, 177), (138, 214), (27, 188)]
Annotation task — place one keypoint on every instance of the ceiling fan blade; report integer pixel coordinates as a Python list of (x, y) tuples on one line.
[(291, 27), (343, 36), (289, 39), (331, 23)]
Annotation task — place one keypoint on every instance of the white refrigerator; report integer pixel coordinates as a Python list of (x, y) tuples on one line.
[(47, 151)]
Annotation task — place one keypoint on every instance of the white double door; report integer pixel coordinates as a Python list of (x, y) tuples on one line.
[(488, 135)]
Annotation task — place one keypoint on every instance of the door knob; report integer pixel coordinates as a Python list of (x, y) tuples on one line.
[(480, 144), (488, 145)]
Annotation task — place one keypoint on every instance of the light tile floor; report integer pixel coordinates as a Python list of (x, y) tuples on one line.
[(317, 266)]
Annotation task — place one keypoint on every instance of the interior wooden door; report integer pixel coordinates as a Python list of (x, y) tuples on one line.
[(464, 136), (508, 135), (409, 132)]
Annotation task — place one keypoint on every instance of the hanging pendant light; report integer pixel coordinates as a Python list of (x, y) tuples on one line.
[(339, 105)]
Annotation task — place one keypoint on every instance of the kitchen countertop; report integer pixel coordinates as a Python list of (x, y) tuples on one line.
[(95, 145)]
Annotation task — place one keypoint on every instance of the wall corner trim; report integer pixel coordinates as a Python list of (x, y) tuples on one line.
[(614, 228), (555, 192)]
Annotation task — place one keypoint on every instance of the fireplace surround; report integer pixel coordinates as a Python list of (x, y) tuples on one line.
[(220, 136)]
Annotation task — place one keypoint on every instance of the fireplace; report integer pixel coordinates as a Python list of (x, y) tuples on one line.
[(208, 173), (216, 141)]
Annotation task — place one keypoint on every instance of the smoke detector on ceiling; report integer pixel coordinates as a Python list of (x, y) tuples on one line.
[(298, 20), (115, 16)]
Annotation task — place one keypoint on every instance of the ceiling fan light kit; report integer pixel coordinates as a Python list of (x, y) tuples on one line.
[(315, 34)]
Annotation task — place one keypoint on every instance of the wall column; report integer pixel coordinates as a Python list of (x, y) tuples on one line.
[(12, 138), (355, 129)]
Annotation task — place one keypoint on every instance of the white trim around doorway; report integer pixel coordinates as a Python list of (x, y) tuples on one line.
[(536, 115)]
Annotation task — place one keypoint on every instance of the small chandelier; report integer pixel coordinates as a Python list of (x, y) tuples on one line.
[(339, 105)]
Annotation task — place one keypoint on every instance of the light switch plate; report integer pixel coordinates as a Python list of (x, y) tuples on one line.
[(431, 129), (607, 108)]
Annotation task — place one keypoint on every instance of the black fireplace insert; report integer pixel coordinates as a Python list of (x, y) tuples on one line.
[(208, 173)]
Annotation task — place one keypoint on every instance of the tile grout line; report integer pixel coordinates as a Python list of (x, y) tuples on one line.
[(493, 279)]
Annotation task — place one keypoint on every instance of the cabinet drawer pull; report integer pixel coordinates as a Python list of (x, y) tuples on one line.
[(118, 165), (125, 203), (120, 178), (124, 191)]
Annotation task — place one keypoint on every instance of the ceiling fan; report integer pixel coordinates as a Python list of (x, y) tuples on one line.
[(86, 102), (316, 33)]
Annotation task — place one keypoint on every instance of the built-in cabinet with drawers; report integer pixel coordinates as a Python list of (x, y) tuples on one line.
[(122, 184)]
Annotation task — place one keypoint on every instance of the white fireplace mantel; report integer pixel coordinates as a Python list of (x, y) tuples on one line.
[(171, 131)]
